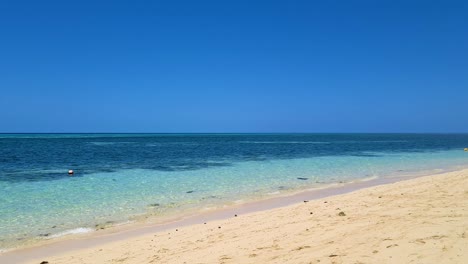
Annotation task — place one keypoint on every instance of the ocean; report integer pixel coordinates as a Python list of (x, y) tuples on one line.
[(120, 178)]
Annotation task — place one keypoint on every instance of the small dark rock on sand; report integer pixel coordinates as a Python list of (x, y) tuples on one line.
[(305, 201), (342, 214), (333, 255), (302, 179), (45, 262)]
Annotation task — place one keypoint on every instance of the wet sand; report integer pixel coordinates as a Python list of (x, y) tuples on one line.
[(422, 220)]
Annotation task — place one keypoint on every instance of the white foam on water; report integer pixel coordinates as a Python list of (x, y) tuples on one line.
[(284, 142), (80, 230), (369, 178)]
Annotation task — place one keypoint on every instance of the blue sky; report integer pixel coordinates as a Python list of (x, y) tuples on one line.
[(233, 66)]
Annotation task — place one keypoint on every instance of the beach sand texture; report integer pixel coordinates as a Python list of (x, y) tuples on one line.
[(422, 220)]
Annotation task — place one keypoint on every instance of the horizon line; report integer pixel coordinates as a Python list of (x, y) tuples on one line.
[(25, 133)]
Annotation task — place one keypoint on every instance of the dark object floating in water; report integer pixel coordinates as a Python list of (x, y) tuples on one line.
[(154, 205), (190, 192), (342, 214), (305, 201), (235, 215), (44, 235), (303, 179), (71, 172)]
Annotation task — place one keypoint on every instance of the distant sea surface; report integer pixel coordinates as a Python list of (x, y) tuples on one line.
[(126, 177)]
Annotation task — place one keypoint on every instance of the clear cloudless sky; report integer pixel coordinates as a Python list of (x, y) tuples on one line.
[(233, 66)]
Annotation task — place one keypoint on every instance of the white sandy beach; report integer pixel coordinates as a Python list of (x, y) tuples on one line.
[(422, 220)]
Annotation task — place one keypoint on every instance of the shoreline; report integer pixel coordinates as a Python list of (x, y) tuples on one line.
[(70, 243), (145, 219)]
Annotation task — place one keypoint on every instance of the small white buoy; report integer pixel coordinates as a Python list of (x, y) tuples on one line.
[(70, 172)]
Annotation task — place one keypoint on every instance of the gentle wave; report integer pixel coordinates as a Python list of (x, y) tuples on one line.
[(80, 230), (370, 141), (283, 142), (158, 144), (323, 142), (98, 143), (365, 179)]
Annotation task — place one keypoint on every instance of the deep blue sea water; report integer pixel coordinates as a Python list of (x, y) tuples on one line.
[(121, 177)]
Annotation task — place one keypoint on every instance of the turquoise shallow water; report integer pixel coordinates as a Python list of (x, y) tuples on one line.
[(126, 177)]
